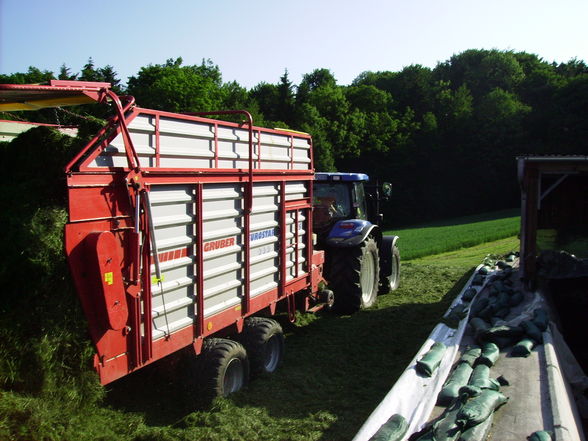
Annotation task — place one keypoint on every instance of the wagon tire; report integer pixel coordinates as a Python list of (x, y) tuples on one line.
[(354, 276), (224, 368), (263, 339)]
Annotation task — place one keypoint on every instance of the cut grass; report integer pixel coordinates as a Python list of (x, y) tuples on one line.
[(336, 371), (451, 235)]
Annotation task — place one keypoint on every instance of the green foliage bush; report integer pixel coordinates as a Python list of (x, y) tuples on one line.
[(45, 354)]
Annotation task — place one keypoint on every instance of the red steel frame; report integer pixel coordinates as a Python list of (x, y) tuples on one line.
[(113, 200)]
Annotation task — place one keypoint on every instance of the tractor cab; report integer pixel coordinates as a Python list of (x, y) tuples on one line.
[(341, 196), (360, 260), (338, 196)]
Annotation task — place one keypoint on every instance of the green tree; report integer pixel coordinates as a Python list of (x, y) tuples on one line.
[(572, 68), (89, 72), (178, 88), (481, 71), (236, 97), (65, 73), (318, 126), (267, 96), (104, 74), (32, 75), (285, 95), (368, 98)]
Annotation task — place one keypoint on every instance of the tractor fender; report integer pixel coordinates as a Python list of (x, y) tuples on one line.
[(351, 233), (386, 252)]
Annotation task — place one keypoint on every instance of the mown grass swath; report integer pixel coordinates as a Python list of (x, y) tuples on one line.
[(336, 368)]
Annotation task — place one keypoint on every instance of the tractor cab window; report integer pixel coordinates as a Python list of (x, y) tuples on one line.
[(359, 202), (332, 201)]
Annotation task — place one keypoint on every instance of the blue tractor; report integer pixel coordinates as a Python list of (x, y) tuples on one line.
[(360, 261)]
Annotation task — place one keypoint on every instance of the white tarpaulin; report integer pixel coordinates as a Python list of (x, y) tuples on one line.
[(413, 396)]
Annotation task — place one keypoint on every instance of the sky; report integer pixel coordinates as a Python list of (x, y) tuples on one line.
[(256, 41)]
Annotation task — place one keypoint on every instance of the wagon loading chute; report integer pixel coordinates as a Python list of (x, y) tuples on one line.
[(181, 227)]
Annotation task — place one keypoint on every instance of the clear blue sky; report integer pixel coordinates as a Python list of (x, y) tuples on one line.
[(254, 41)]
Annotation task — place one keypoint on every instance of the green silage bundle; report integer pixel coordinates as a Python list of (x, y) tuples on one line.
[(502, 336), (516, 298), (471, 355), (479, 408), (490, 353), (523, 348), (392, 430), (469, 294), (444, 428), (541, 435), (479, 432), (532, 331), (458, 378), (541, 319), (431, 360), (481, 378)]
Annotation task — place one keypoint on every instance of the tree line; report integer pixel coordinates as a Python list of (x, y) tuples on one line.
[(446, 137)]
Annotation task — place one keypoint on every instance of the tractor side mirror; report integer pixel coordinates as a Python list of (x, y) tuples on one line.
[(386, 189)]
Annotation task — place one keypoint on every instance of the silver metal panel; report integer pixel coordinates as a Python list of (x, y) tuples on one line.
[(265, 246), (223, 246), (173, 210), (189, 144), (173, 298), (296, 190), (295, 244)]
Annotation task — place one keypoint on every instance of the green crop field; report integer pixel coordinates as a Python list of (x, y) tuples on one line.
[(336, 368), (454, 234)]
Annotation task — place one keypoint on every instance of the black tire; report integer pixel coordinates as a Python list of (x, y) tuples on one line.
[(224, 368), (391, 282), (263, 339), (354, 276)]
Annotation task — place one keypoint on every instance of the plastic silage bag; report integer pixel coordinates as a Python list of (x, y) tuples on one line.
[(532, 331), (471, 355), (479, 305), (456, 315), (481, 378), (444, 428), (523, 348), (490, 353), (541, 435), (431, 360), (479, 408), (458, 378), (479, 432), (392, 430), (541, 319), (502, 336), (469, 294), (516, 299), (479, 326)]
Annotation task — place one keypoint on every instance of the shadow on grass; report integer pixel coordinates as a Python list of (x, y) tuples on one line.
[(341, 366)]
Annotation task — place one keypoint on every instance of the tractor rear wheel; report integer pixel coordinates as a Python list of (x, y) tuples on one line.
[(354, 276), (391, 282)]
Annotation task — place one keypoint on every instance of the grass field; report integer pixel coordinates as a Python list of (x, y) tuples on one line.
[(454, 234), (336, 368)]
